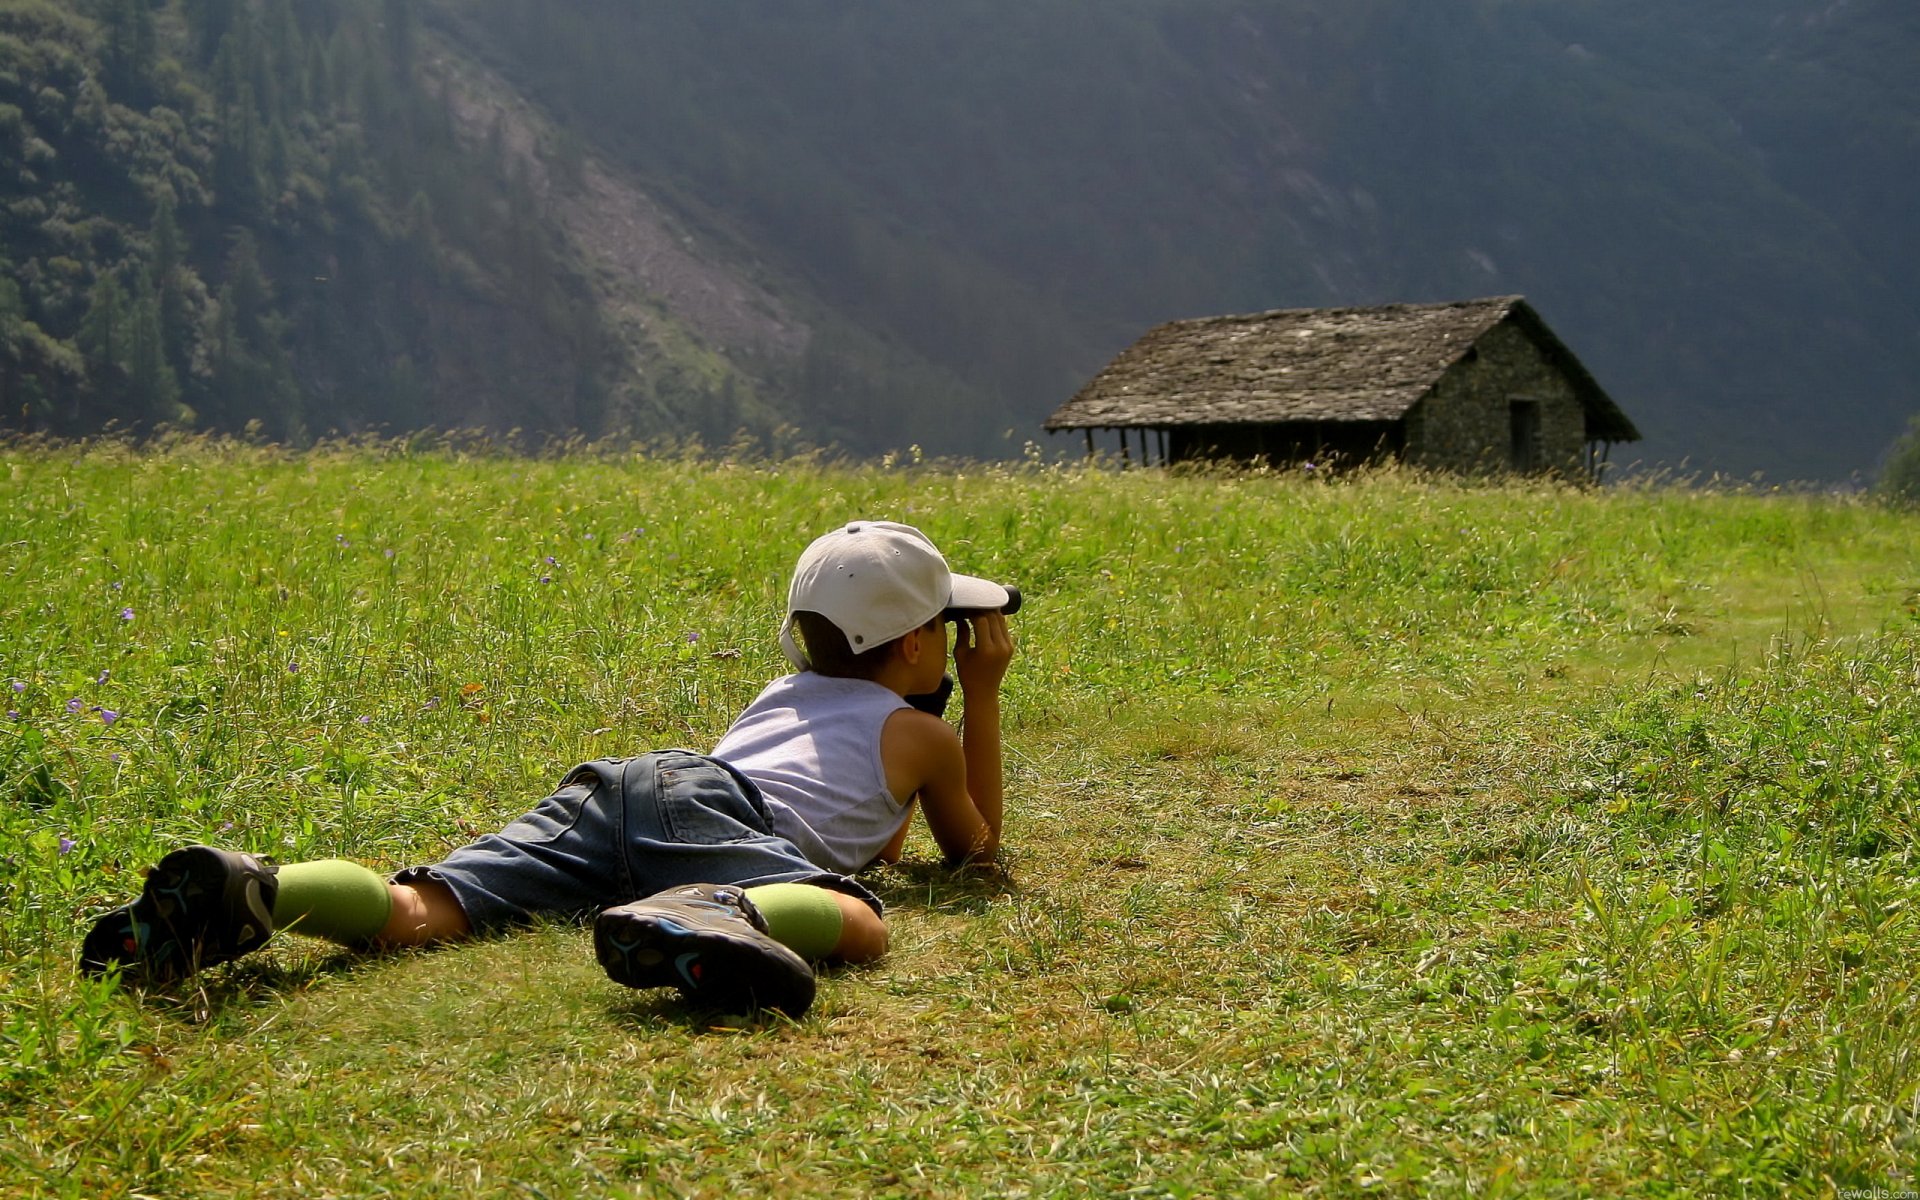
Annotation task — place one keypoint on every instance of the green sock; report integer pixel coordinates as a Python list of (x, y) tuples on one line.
[(803, 918), (332, 898)]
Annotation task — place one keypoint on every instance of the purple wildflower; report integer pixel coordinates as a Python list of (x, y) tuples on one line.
[(117, 585), (293, 668), (228, 825), (432, 703), (103, 677), (692, 637), (108, 716), (546, 579), (389, 552), (74, 705), (552, 561), (13, 714), (126, 614), (67, 844), (364, 720), (19, 685)]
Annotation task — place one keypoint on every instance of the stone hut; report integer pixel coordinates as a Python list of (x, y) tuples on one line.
[(1476, 386)]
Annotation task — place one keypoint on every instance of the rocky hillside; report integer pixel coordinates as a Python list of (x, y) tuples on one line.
[(308, 219), (1704, 201), (882, 224)]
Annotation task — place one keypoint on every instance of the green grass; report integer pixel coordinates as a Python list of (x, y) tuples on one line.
[(1394, 837)]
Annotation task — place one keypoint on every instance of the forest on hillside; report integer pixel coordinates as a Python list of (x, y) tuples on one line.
[(305, 216), (266, 217), (229, 215)]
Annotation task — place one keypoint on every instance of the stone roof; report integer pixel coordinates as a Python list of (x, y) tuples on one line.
[(1311, 364)]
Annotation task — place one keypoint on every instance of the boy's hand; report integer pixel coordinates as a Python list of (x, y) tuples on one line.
[(982, 649)]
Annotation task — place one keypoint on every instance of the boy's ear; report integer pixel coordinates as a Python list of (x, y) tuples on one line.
[(910, 646)]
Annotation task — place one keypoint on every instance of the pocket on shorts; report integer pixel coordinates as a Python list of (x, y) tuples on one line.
[(554, 817), (701, 801)]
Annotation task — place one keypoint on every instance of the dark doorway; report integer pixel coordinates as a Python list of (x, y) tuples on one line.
[(1524, 420)]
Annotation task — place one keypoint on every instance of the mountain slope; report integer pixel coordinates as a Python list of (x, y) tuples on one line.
[(1014, 191), (308, 219), (875, 224)]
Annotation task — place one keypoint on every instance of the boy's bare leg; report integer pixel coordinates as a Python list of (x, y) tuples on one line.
[(424, 912), (863, 935)]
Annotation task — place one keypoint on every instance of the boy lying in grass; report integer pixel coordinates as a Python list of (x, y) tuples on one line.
[(721, 875)]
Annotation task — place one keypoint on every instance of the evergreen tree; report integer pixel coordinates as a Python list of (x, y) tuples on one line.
[(13, 317), (524, 253), (241, 70), (101, 341), (25, 356), (209, 21), (226, 396), (407, 396), (1899, 482), (319, 77), (397, 17), (316, 17), (128, 51), (251, 296), (286, 55), (252, 378), (276, 163), (153, 392), (167, 266), (423, 235), (237, 157)]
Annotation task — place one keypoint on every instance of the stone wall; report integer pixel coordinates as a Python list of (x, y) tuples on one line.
[(1466, 423)]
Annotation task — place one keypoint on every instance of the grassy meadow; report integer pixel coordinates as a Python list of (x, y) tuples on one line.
[(1391, 836)]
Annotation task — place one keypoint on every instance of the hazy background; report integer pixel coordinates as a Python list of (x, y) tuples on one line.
[(874, 224)]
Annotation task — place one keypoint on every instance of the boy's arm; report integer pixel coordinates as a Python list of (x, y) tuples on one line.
[(958, 781), (923, 756), (890, 853), (982, 650)]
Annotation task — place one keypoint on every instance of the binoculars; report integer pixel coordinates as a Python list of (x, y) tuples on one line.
[(935, 702), (1011, 607)]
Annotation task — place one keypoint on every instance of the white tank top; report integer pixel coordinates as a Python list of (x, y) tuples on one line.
[(811, 743)]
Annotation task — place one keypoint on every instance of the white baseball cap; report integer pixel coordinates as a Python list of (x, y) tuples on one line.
[(875, 580)]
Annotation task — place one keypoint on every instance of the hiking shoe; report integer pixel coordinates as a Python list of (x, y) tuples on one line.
[(711, 943), (198, 907)]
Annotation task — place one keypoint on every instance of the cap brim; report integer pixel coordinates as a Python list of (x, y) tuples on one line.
[(970, 592)]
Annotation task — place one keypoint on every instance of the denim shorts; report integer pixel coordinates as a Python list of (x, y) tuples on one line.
[(622, 829)]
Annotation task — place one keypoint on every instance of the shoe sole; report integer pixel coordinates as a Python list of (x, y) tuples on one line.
[(163, 936), (710, 967)]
